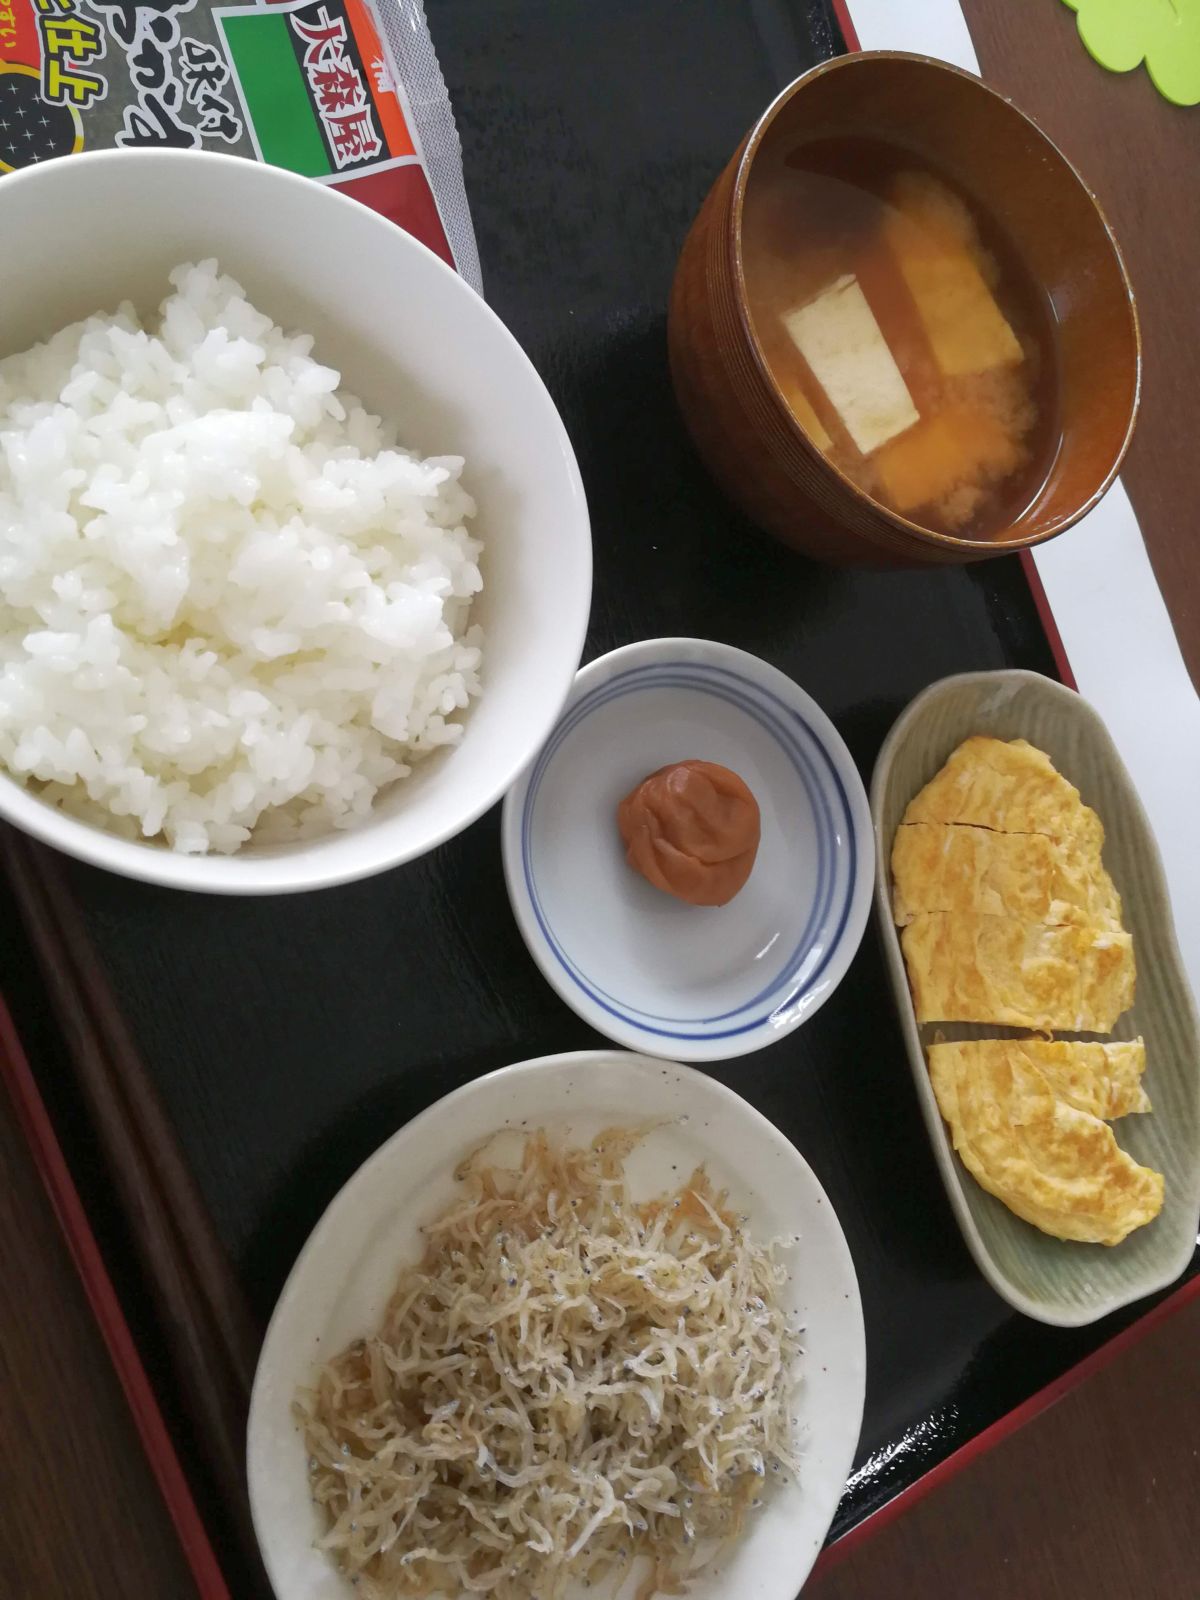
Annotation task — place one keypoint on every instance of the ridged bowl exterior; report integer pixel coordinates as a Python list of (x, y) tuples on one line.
[(741, 425)]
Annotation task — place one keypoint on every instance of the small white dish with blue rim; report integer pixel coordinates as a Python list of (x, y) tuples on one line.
[(689, 982)]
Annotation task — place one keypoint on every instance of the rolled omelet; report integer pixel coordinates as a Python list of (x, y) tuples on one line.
[(1104, 1080), (1029, 876), (1058, 1167), (972, 968), (1008, 916), (1007, 911), (1010, 786)]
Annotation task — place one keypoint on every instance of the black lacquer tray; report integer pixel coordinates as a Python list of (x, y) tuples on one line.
[(289, 1037)]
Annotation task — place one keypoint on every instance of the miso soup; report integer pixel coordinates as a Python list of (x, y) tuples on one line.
[(910, 341)]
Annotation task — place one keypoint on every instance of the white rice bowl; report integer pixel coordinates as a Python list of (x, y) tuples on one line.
[(230, 603)]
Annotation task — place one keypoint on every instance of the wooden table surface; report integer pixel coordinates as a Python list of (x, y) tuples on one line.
[(1094, 1500), (1141, 156)]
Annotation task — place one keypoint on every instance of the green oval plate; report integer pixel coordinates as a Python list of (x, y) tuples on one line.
[(1054, 1280)]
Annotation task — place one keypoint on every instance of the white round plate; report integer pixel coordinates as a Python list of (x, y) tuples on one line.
[(697, 983), (344, 1276)]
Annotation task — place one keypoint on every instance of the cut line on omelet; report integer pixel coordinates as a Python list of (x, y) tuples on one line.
[(1009, 786), (1054, 1165), (1006, 910), (1104, 1080)]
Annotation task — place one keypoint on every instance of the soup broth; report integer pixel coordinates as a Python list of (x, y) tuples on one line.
[(909, 340)]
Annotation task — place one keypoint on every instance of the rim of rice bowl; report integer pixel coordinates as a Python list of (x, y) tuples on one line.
[(406, 317)]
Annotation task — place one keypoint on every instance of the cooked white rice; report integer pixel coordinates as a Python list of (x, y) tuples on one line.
[(229, 602)]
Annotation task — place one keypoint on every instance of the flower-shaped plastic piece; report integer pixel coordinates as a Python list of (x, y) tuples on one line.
[(1165, 34)]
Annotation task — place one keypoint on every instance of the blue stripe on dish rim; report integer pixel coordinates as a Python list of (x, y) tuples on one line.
[(774, 718)]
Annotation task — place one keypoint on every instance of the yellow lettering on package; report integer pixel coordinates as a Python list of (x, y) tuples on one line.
[(68, 41)]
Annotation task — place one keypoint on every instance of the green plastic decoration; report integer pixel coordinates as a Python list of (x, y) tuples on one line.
[(1165, 34)]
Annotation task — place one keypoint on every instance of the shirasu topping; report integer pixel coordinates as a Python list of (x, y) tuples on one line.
[(569, 1380)]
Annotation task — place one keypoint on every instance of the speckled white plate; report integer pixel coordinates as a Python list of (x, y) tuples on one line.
[(697, 983), (345, 1273), (1054, 1280)]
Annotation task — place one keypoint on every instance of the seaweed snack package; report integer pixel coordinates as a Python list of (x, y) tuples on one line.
[(346, 92)]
